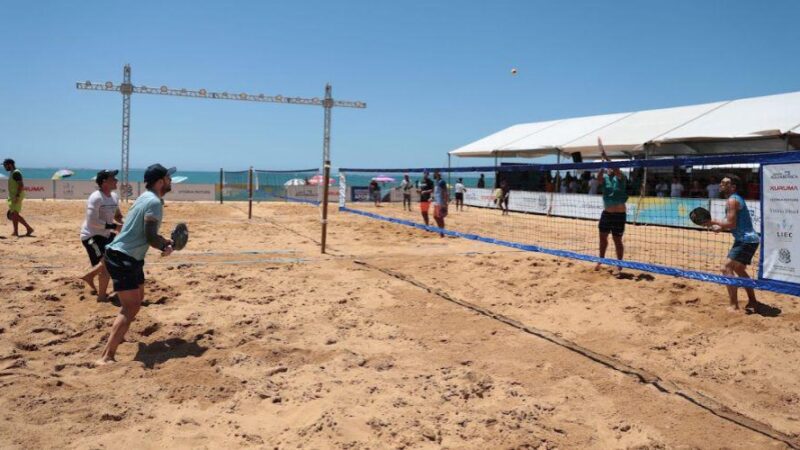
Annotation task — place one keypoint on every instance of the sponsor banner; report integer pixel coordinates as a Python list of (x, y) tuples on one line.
[(193, 192), (34, 189), (359, 194), (781, 238), (73, 190), (312, 193), (484, 198), (651, 210)]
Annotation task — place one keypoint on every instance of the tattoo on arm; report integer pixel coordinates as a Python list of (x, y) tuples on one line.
[(151, 232)]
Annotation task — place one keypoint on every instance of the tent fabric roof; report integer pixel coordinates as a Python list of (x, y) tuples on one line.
[(751, 124)]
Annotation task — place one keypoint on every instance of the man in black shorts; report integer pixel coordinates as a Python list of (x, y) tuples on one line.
[(103, 220), (124, 257), (425, 189)]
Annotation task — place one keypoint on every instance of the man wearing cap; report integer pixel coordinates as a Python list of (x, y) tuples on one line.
[(124, 258), (425, 189), (16, 192), (103, 219)]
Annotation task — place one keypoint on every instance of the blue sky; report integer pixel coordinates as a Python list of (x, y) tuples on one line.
[(435, 75)]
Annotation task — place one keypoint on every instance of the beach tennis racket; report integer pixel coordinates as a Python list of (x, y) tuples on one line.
[(700, 216), (180, 236)]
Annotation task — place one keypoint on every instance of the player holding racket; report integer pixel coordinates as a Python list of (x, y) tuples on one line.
[(124, 258), (745, 240)]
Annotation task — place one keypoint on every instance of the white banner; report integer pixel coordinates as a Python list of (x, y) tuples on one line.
[(34, 189), (73, 190), (657, 211), (193, 192), (781, 191), (312, 193)]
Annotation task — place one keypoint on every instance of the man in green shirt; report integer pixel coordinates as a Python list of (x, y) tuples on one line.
[(16, 192)]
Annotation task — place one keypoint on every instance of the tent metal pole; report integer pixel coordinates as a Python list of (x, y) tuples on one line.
[(557, 187), (496, 174), (643, 189), (448, 170)]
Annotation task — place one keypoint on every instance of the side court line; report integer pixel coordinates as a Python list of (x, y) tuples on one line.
[(644, 377)]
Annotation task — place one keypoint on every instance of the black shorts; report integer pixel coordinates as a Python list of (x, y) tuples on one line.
[(460, 196), (613, 223), (126, 272), (743, 252), (96, 246)]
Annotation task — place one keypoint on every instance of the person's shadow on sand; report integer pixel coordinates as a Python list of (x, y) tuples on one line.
[(161, 351), (765, 310)]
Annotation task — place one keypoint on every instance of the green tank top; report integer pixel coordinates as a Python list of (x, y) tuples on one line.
[(13, 185)]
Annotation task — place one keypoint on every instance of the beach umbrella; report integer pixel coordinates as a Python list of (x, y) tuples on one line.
[(295, 182), (63, 173), (316, 180), (383, 179)]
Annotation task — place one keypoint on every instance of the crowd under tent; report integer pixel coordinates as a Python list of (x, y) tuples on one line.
[(751, 125)]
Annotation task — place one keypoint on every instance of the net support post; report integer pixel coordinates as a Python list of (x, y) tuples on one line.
[(221, 184), (326, 173), (250, 193), (449, 172), (643, 190), (342, 189)]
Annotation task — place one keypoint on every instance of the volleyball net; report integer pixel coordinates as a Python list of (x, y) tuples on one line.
[(557, 208), (303, 185)]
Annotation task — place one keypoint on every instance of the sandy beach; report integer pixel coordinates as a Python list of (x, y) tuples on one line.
[(394, 339)]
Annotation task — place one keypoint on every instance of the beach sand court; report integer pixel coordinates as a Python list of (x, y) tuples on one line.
[(395, 339)]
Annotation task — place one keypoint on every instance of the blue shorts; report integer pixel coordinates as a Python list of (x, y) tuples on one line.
[(743, 252)]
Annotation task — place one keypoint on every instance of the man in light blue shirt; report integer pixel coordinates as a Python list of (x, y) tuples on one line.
[(745, 241), (441, 198), (124, 258)]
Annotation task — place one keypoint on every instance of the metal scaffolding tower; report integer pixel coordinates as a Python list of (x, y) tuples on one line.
[(127, 88)]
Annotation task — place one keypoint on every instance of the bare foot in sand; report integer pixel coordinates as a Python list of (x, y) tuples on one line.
[(104, 362), (30, 232), (732, 309), (89, 280), (597, 267)]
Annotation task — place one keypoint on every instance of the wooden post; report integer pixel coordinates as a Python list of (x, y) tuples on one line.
[(221, 184), (326, 173), (250, 193)]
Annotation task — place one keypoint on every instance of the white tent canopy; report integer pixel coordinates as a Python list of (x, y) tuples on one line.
[(758, 124)]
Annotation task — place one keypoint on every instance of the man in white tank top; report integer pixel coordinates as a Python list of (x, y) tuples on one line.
[(103, 220)]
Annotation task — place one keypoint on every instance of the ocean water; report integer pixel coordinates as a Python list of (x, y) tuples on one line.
[(240, 177), (195, 177)]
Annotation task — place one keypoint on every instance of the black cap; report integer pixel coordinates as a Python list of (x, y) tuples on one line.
[(105, 174), (8, 161), (157, 172)]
